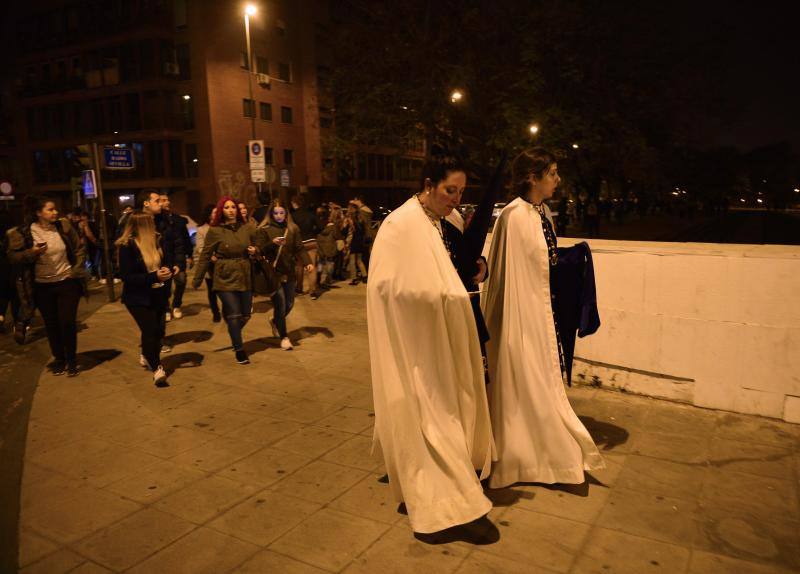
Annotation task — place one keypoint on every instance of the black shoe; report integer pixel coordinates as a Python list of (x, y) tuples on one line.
[(58, 368), (72, 369), (241, 357), (20, 331), (216, 317), (353, 282), (315, 295)]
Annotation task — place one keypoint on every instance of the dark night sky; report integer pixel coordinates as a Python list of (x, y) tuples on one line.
[(756, 75)]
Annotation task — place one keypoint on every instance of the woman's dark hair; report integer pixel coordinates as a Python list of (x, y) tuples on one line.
[(33, 204), (207, 213), (438, 168), (534, 161)]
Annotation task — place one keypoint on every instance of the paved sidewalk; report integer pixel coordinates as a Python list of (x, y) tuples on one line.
[(267, 468)]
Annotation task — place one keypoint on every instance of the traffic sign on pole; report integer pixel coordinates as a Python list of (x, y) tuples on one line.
[(285, 178), (89, 184), (258, 175)]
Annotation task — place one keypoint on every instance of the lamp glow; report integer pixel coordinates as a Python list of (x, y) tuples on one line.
[(456, 96), (250, 10), (534, 129)]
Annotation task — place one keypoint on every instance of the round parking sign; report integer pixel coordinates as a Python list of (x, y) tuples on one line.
[(5, 188), (256, 149)]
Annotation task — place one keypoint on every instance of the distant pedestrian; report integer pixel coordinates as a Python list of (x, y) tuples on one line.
[(355, 231), (49, 265), (231, 242), (8, 292), (307, 223), (179, 226), (281, 242), (144, 290), (199, 242), (326, 252)]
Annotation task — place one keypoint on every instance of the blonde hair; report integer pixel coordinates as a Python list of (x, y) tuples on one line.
[(142, 229)]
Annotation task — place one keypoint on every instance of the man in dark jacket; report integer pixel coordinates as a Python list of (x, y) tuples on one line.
[(180, 228)]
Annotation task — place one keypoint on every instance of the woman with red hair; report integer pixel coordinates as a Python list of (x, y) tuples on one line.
[(231, 242)]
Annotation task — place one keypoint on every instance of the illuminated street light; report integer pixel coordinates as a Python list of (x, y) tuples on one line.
[(187, 97), (797, 189), (575, 146), (534, 129), (741, 199), (759, 200), (250, 10), (456, 96)]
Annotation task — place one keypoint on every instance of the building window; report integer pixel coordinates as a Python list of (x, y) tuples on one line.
[(244, 63), (285, 72), (286, 114), (325, 122), (262, 65), (249, 108), (133, 113), (187, 111), (184, 61), (192, 162), (175, 158), (266, 111), (288, 157), (269, 158)]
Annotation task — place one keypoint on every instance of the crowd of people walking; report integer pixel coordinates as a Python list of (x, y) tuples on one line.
[(469, 354)]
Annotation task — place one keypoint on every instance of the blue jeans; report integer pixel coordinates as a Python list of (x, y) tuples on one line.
[(236, 307), (282, 303)]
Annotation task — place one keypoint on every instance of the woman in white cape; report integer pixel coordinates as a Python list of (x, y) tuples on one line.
[(431, 413), (539, 438)]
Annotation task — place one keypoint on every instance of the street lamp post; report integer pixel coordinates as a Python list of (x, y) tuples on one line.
[(250, 10)]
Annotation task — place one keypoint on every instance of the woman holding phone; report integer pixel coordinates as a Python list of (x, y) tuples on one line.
[(48, 260), (231, 242), (143, 272), (283, 245)]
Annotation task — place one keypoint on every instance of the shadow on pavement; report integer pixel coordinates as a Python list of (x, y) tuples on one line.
[(188, 337), (193, 309), (181, 361), (479, 532), (262, 306), (605, 433), (88, 360)]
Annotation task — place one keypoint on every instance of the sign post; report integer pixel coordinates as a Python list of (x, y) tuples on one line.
[(257, 162), (96, 180), (6, 191)]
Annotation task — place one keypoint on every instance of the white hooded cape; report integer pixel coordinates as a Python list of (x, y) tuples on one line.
[(539, 438), (431, 413)]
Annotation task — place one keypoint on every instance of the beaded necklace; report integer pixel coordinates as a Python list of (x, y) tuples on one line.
[(433, 218), (549, 234)]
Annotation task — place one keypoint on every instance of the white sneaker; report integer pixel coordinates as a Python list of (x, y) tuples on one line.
[(160, 377), (169, 317), (166, 348), (275, 332), (103, 281), (117, 280), (286, 344), (143, 362), (177, 313)]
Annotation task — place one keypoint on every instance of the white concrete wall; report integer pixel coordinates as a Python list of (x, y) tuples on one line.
[(709, 324)]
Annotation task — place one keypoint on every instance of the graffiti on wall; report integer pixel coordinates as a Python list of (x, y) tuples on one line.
[(237, 185)]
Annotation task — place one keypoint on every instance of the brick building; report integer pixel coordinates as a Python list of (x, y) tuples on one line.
[(169, 79)]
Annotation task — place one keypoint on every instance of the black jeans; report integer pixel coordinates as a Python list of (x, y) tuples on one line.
[(236, 307), (282, 304), (58, 304), (152, 324), (212, 297), (179, 282)]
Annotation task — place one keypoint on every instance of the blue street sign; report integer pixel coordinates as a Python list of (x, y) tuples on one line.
[(89, 184), (118, 158)]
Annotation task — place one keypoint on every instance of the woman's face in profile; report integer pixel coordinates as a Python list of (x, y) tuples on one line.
[(549, 182), (446, 196)]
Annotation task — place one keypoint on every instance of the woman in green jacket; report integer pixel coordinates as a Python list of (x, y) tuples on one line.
[(281, 239), (229, 243)]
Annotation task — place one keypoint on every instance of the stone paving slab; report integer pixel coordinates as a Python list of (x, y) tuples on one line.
[(267, 468)]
